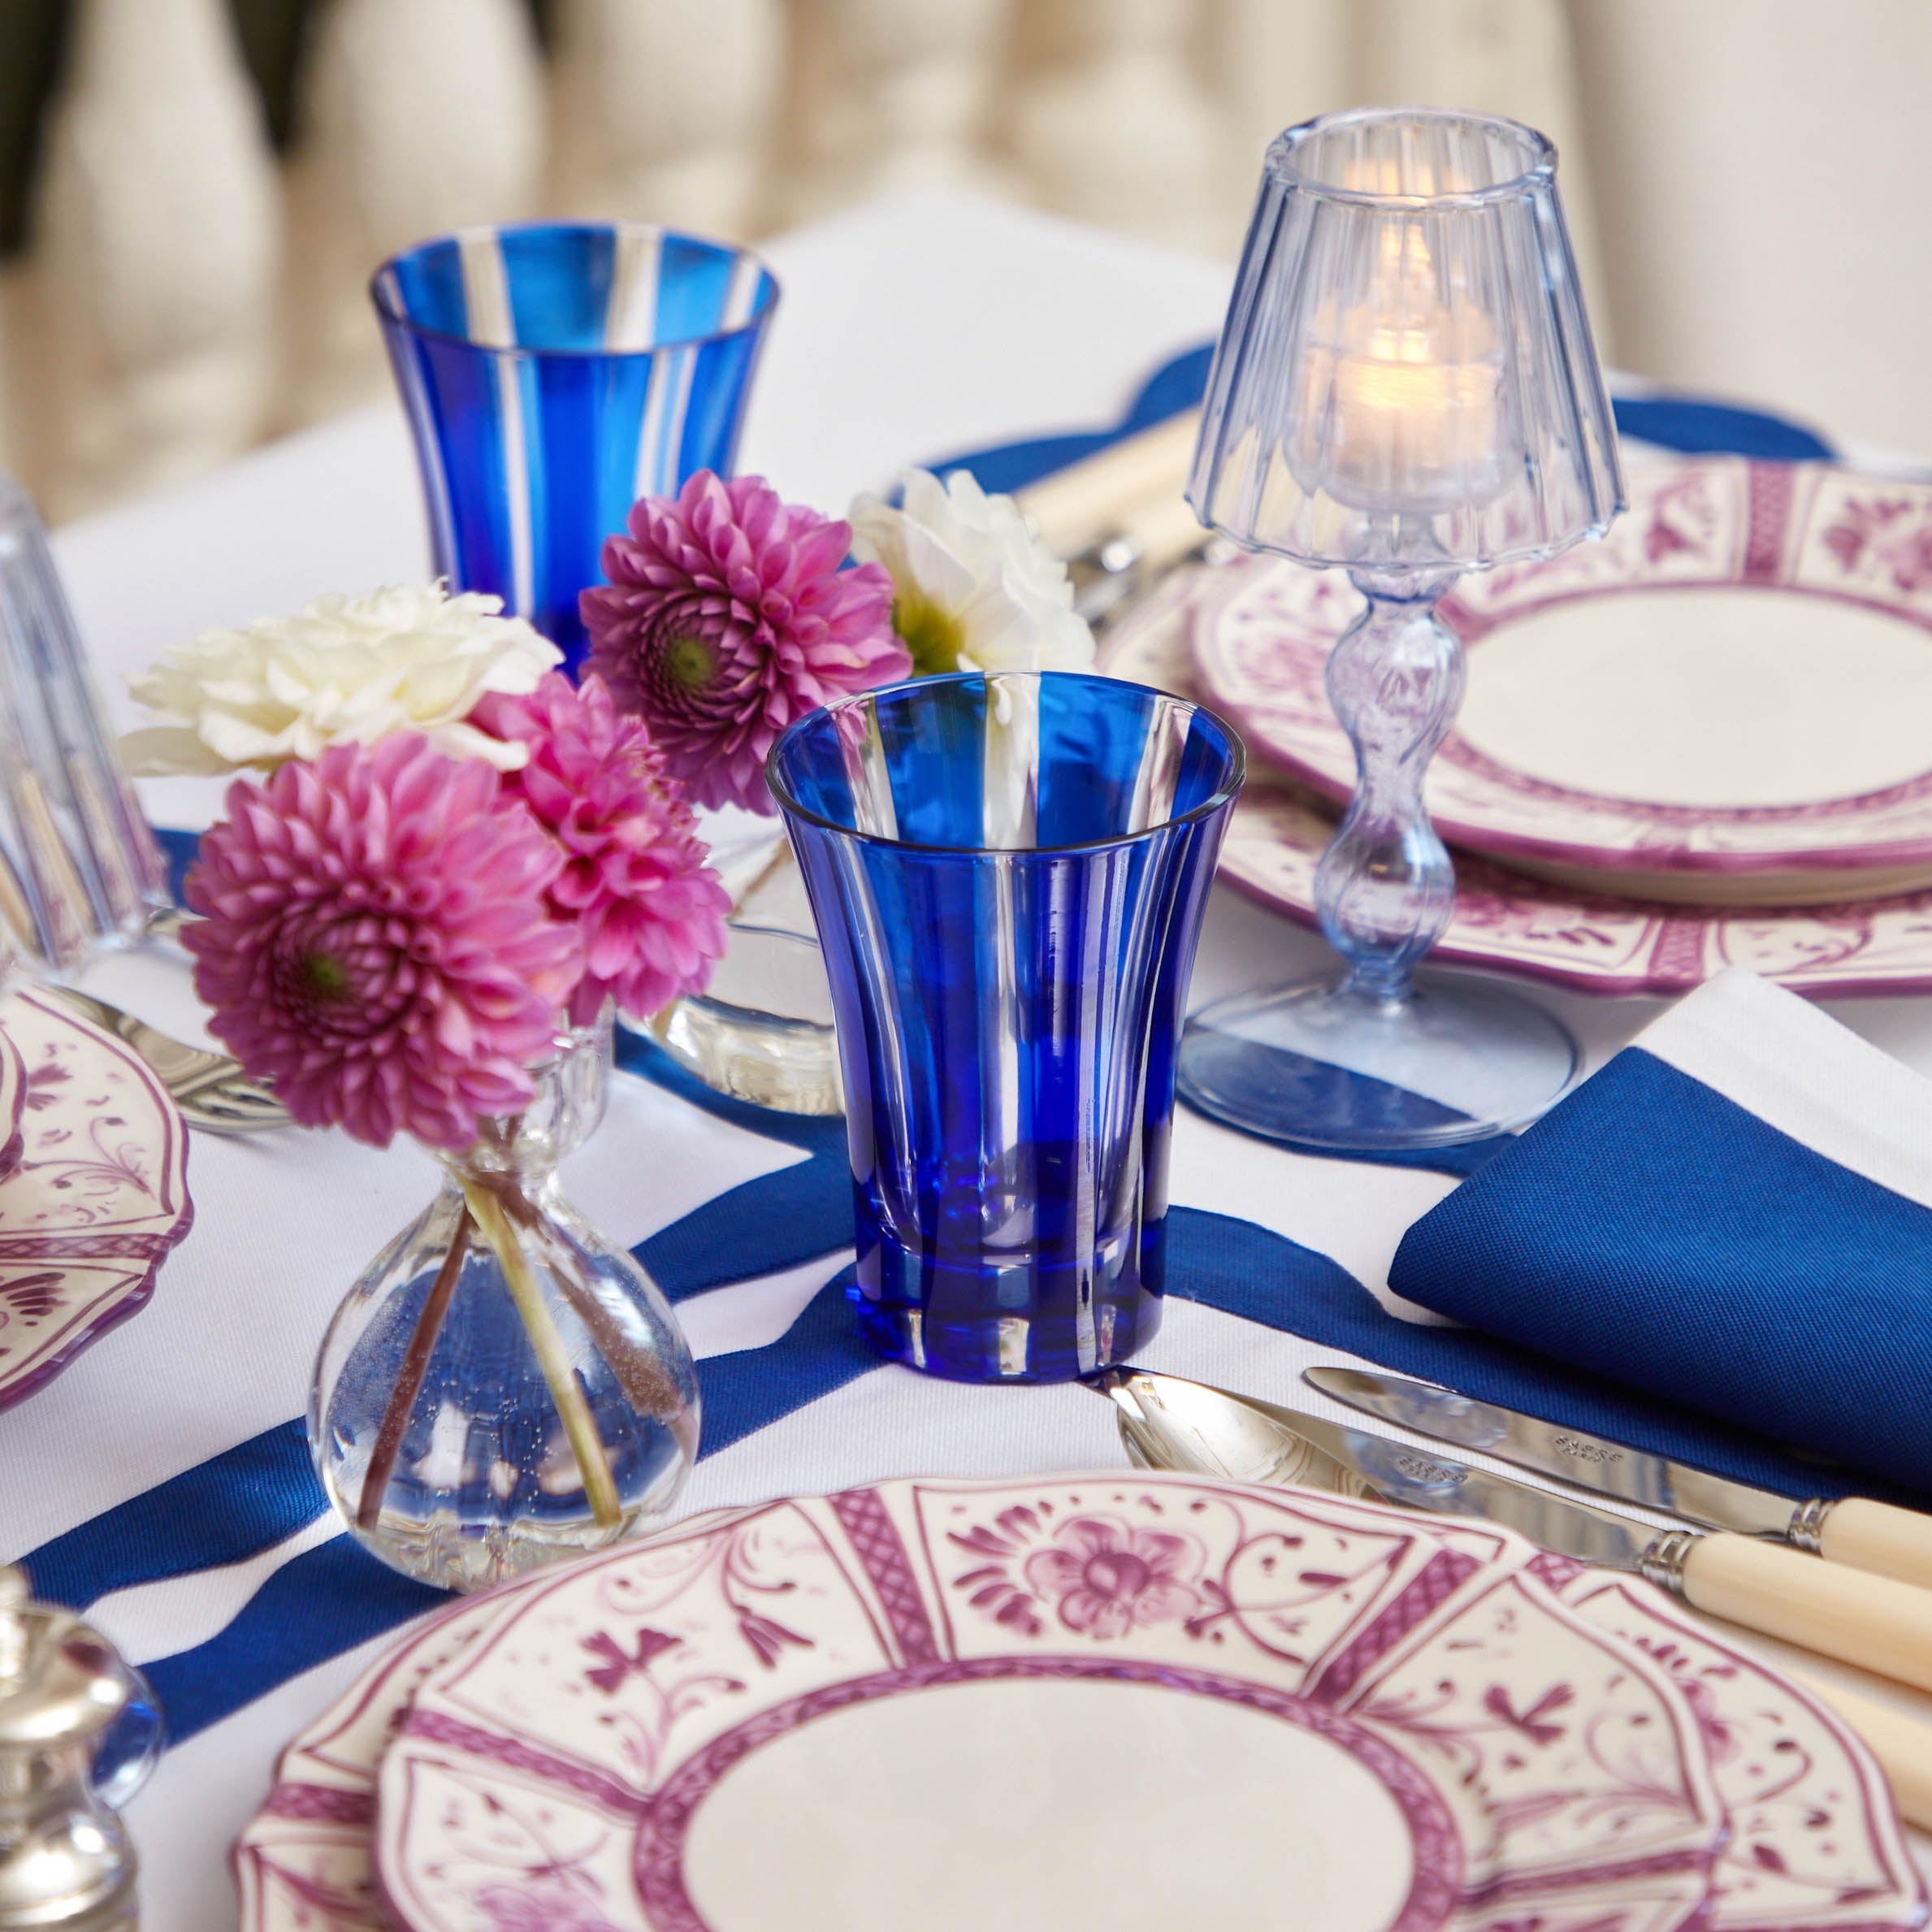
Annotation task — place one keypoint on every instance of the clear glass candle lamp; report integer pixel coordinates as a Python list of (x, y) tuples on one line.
[(1405, 388)]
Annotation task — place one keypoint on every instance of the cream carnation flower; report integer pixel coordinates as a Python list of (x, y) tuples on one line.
[(344, 670), (973, 590)]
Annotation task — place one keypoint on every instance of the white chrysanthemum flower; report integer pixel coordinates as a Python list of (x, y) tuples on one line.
[(973, 590), (343, 671)]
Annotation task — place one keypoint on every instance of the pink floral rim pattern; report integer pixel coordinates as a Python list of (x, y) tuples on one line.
[(1261, 645), (576, 1721), (97, 1198), (1504, 922)]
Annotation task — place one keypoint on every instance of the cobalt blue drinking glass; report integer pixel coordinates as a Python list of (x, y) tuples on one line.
[(1008, 873), (553, 374)]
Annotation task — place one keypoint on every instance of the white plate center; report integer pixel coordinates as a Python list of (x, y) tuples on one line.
[(1717, 697), (1048, 1805)]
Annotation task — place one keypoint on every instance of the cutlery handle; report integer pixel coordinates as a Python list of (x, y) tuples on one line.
[(1088, 498), (1902, 1745), (1878, 1537), (1166, 529), (1874, 1621)]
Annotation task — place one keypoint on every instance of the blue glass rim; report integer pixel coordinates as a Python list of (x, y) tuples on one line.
[(1540, 174), (391, 310), (1234, 747)]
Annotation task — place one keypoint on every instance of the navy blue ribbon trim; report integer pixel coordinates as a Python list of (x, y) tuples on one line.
[(336, 1596), (233, 1506)]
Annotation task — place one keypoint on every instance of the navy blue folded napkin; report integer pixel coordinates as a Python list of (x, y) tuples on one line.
[(1735, 1214)]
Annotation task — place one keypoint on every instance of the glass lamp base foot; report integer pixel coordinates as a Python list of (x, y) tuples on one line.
[(1458, 1060)]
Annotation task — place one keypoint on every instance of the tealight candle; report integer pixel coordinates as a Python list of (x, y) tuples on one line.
[(1402, 398), (1414, 416)]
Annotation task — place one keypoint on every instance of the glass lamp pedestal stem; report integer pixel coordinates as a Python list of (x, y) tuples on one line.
[(1382, 1060)]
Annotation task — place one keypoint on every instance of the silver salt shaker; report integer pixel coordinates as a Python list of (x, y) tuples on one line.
[(79, 1733)]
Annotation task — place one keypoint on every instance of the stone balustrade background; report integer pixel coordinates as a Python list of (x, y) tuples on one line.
[(196, 190)]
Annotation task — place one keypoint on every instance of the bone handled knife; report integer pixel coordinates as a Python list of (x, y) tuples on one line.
[(1864, 1535), (1874, 1621)]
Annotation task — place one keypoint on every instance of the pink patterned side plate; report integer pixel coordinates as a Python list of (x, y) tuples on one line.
[(1077, 1702), (1724, 694), (97, 1198), (1584, 942), (1815, 1840), (302, 1862)]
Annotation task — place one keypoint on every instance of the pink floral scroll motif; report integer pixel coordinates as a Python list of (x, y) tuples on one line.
[(1104, 1576), (1889, 537)]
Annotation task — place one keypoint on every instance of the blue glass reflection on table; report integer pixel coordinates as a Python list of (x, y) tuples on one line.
[(555, 373), (1008, 874)]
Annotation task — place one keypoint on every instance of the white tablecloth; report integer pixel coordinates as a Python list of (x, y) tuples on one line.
[(910, 329)]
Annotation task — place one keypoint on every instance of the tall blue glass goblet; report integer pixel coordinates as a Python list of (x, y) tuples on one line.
[(1008, 873), (1405, 387), (553, 374)]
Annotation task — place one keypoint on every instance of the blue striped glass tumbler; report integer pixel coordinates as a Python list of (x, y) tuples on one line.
[(553, 374), (1008, 873)]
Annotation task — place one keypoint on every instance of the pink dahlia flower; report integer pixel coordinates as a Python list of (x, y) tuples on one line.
[(726, 616), (375, 939), (650, 911)]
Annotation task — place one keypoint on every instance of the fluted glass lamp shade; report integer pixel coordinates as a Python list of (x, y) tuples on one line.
[(1405, 388), (1406, 377)]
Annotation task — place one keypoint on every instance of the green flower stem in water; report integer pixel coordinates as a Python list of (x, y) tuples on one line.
[(593, 1462)]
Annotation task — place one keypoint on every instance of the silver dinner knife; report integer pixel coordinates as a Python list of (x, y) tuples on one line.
[(1868, 1536), (1873, 1622)]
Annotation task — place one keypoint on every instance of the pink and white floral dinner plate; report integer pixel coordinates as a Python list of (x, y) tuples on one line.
[(97, 1197), (951, 1705), (1722, 698), (1586, 942), (1116, 1700)]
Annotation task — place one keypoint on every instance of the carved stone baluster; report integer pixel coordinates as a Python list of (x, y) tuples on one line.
[(413, 119), (1513, 56), (1110, 122), (1271, 64), (887, 96), (666, 109), (157, 246)]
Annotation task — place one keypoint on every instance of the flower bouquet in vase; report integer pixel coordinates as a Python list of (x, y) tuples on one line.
[(421, 920), (727, 615)]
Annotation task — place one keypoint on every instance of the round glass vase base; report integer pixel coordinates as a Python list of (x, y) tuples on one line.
[(1316, 1065), (504, 1386), (448, 1552)]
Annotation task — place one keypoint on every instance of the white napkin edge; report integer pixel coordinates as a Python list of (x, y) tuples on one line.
[(1778, 1057)]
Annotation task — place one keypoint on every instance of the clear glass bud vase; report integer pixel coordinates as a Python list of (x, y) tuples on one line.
[(504, 1386)]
